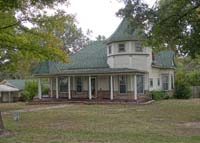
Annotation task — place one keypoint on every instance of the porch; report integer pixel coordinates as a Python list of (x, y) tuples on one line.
[(96, 87)]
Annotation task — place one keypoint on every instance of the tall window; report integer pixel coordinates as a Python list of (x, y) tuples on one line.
[(79, 84), (138, 47), (63, 84), (109, 50), (151, 82), (165, 82), (122, 84), (121, 48)]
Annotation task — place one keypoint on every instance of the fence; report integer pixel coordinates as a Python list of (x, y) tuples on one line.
[(195, 91)]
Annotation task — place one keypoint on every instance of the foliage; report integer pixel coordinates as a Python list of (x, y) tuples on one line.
[(182, 90), (49, 37), (157, 95), (30, 90), (188, 70), (171, 24)]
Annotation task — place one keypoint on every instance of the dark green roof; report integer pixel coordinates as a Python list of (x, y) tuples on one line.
[(124, 32), (91, 57), (46, 67), (164, 59)]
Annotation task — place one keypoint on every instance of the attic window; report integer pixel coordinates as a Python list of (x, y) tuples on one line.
[(121, 48), (138, 47)]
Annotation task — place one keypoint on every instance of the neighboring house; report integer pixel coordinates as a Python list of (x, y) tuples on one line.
[(119, 68), (10, 90)]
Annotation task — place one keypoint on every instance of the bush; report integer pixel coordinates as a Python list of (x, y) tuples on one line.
[(30, 90), (157, 95), (182, 91)]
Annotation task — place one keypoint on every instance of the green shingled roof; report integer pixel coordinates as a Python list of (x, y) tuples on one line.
[(93, 56), (164, 59), (124, 32), (46, 67)]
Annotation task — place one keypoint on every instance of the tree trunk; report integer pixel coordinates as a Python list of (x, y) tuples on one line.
[(1, 122)]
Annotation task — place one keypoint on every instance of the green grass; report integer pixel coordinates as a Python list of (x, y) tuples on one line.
[(161, 122)]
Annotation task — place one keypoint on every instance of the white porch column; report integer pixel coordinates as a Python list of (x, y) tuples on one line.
[(111, 87), (135, 87), (69, 88), (57, 95), (51, 87), (39, 89), (90, 88)]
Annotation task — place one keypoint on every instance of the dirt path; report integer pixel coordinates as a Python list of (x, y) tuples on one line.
[(35, 109)]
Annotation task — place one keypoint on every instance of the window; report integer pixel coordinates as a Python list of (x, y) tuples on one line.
[(158, 81), (109, 50), (140, 84), (138, 47), (121, 48), (151, 82), (165, 82), (122, 84), (79, 84)]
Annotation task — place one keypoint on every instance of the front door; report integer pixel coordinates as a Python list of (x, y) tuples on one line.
[(93, 86), (140, 84)]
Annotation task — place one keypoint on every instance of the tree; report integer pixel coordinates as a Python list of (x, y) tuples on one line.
[(100, 38), (171, 24), (49, 38)]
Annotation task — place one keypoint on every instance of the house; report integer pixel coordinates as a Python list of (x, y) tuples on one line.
[(116, 69), (10, 90)]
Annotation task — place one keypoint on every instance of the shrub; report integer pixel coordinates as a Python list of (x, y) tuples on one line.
[(182, 91), (30, 90), (157, 95)]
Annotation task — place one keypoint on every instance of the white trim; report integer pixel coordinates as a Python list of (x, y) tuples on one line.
[(39, 89), (57, 94), (69, 88), (111, 87), (135, 87), (90, 88), (51, 87)]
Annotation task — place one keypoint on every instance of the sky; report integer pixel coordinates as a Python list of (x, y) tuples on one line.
[(99, 16)]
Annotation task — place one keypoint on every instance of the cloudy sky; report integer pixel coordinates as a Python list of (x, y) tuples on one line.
[(98, 15)]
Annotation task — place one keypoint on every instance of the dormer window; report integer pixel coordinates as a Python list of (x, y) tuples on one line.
[(109, 49), (138, 47), (121, 48)]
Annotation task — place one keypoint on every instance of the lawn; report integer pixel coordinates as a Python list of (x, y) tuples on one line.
[(169, 121)]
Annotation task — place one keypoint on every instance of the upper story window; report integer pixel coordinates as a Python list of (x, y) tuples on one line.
[(121, 48), (138, 47), (109, 49)]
